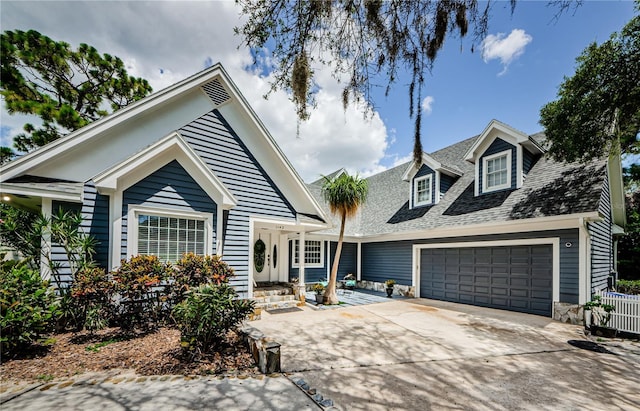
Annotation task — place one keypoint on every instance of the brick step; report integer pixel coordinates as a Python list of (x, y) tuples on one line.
[(279, 304), (273, 298), (279, 291)]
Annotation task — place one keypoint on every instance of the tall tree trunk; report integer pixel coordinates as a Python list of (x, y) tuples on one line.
[(330, 295)]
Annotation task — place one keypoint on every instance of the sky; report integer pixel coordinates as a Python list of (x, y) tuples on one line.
[(511, 74)]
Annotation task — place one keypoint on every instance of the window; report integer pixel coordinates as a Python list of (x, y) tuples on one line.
[(497, 171), (168, 235), (422, 190), (314, 253)]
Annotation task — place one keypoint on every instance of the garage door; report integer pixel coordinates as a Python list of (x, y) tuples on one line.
[(516, 278)]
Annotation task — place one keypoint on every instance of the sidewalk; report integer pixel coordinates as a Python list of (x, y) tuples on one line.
[(128, 392)]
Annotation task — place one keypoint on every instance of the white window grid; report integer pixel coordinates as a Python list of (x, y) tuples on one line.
[(313, 253), (170, 237), (423, 190), (497, 171)]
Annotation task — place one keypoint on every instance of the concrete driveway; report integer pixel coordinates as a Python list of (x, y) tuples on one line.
[(423, 354)]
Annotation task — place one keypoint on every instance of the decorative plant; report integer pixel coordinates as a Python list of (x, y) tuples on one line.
[(601, 312), (93, 291), (136, 280), (318, 288), (28, 307), (193, 270), (390, 283), (207, 314)]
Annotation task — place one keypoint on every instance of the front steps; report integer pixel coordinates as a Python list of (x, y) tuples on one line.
[(273, 297)]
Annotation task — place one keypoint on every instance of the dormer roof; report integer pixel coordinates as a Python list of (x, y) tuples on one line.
[(495, 129), (432, 163)]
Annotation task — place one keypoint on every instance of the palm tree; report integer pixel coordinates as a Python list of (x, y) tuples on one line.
[(344, 194)]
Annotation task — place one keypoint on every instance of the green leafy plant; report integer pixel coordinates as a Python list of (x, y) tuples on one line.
[(28, 307), (207, 314), (390, 283), (45, 377), (137, 281), (93, 292), (318, 288), (628, 287), (193, 270)]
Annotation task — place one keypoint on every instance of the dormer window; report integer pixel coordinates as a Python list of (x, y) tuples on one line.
[(422, 190), (497, 171)]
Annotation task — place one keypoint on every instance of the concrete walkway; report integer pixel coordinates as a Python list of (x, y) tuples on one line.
[(423, 354), (130, 392)]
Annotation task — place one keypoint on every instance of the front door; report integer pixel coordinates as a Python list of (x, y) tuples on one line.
[(265, 257)]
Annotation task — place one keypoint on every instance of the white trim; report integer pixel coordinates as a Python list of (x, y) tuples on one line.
[(553, 241), (584, 289), (519, 162), (18, 189), (308, 265), (498, 227), (45, 241), (132, 224), (436, 189), (489, 134), (21, 165), (476, 180), (250, 266), (115, 233), (429, 188), (485, 160), (172, 147), (359, 262), (427, 160), (301, 259), (219, 233), (328, 256)]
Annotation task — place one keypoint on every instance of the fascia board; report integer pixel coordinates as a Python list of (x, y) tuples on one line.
[(616, 190), (511, 226), (275, 150), (140, 165), (429, 161), (40, 192), (480, 143), (21, 165)]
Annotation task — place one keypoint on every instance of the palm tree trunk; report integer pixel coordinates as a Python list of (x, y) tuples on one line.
[(330, 295)]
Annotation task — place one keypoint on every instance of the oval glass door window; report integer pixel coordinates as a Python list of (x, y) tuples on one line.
[(275, 256), (259, 255)]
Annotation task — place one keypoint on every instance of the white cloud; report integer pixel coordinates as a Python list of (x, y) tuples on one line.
[(506, 49), (427, 105), (165, 42)]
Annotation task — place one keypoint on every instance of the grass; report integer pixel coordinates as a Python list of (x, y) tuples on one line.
[(96, 347), (45, 377)]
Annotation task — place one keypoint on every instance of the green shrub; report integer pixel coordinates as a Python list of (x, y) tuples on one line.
[(93, 291), (207, 314), (138, 281), (628, 287), (193, 270), (28, 307)]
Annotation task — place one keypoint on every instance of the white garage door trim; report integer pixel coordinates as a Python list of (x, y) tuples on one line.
[(554, 242)]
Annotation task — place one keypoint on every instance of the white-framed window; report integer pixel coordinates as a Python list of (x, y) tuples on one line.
[(496, 171), (422, 188), (168, 234), (314, 253)]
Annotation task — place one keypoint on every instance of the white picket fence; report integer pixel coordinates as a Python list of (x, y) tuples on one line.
[(626, 316)]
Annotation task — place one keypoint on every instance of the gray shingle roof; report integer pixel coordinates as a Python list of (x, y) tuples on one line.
[(550, 189)]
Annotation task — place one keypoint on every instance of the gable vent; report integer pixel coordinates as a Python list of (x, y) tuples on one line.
[(216, 92)]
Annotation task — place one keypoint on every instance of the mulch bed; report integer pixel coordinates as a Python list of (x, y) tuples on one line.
[(152, 353)]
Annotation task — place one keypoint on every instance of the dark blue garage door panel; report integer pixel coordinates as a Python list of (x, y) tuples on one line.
[(516, 278)]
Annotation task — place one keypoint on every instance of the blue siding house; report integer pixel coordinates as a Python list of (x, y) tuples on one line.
[(489, 221)]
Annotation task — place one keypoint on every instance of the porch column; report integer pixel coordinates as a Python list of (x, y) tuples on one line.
[(301, 259), (45, 242)]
